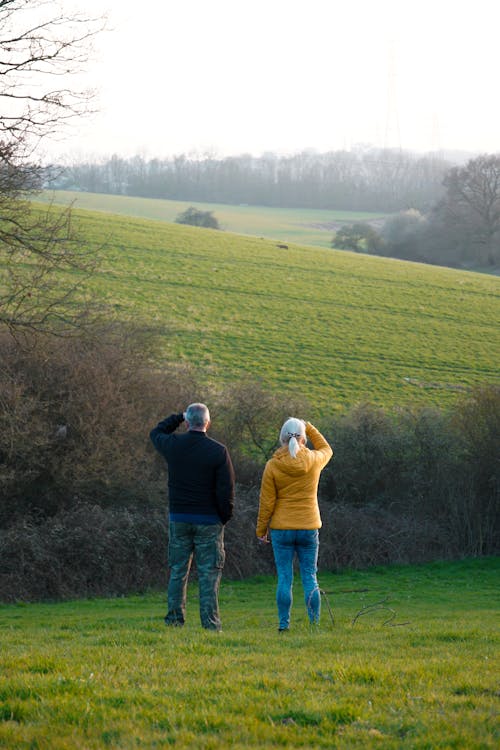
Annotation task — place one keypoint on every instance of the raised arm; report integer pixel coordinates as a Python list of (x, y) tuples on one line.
[(159, 434), (319, 443)]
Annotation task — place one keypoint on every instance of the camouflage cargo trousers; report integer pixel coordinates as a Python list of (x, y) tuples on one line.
[(206, 544)]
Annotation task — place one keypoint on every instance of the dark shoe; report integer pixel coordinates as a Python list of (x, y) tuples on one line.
[(283, 630)]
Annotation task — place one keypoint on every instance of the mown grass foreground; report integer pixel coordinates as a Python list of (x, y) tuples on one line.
[(108, 673), (333, 327)]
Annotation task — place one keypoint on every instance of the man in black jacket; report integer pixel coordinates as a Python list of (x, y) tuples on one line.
[(201, 499)]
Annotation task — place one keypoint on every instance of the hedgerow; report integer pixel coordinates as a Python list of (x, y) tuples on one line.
[(83, 507)]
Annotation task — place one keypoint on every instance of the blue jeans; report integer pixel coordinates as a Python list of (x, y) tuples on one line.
[(305, 543), (206, 543)]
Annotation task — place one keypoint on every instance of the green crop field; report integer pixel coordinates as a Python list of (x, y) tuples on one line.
[(420, 673), (333, 327), (302, 226)]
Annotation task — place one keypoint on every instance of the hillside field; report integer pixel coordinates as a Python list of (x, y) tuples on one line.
[(334, 327), (300, 225), (420, 673)]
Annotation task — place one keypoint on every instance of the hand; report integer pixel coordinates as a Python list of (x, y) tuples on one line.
[(264, 539)]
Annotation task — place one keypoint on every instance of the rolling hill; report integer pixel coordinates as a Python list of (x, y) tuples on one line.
[(335, 327), (303, 226)]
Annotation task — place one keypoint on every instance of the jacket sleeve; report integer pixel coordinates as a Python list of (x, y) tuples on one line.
[(320, 445), (267, 501), (224, 489), (159, 435)]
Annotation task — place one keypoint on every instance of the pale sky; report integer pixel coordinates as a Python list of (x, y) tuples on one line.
[(249, 76)]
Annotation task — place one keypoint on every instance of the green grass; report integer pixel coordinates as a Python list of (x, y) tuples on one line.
[(107, 673), (334, 327), (302, 226)]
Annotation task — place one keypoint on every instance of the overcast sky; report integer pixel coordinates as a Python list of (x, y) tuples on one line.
[(249, 76)]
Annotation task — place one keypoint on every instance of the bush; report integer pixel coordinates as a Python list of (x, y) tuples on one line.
[(74, 423), (360, 237), (477, 420), (88, 550), (197, 218), (84, 505), (249, 420), (359, 537), (84, 551), (428, 468), (404, 236), (371, 449)]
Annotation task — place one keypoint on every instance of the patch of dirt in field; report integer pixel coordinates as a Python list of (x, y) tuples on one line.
[(425, 384)]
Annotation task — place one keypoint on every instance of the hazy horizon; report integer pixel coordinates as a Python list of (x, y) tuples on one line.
[(287, 76)]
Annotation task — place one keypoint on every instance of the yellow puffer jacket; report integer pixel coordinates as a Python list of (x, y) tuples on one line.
[(289, 489)]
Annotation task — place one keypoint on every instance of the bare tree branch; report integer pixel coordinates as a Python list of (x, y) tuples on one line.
[(39, 41), (43, 261)]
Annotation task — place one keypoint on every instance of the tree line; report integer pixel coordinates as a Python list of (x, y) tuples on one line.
[(462, 228), (360, 180), (439, 212)]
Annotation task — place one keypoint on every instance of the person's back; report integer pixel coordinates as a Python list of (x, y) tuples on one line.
[(201, 498), (289, 512), (289, 489), (200, 475)]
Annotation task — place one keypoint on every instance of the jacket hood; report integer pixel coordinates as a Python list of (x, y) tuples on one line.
[(293, 466)]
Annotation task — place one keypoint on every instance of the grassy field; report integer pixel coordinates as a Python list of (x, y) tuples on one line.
[(334, 327), (97, 674), (301, 226)]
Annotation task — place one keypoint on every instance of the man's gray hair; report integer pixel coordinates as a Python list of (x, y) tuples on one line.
[(197, 415)]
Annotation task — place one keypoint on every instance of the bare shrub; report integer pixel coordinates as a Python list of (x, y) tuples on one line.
[(432, 461), (245, 555), (74, 423), (477, 515), (359, 537), (428, 468), (250, 417), (88, 550), (84, 551), (370, 450)]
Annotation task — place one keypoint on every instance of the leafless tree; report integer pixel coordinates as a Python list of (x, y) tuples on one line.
[(41, 45), (472, 203)]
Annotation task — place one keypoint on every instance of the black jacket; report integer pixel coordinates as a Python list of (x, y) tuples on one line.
[(200, 472)]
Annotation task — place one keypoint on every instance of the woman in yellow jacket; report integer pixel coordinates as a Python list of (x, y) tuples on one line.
[(288, 510)]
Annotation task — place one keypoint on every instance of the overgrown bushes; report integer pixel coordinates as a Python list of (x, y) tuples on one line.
[(86, 550), (425, 466), (83, 498), (74, 420)]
